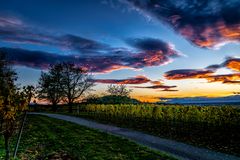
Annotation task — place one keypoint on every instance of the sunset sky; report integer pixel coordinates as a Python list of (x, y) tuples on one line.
[(159, 48)]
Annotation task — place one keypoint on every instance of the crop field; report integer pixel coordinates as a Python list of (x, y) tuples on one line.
[(212, 127), (210, 115)]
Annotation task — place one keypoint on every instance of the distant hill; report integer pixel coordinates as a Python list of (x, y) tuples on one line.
[(234, 99), (112, 99)]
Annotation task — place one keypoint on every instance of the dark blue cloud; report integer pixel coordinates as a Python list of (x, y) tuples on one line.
[(96, 63), (149, 44), (82, 44), (14, 30), (92, 54), (206, 23)]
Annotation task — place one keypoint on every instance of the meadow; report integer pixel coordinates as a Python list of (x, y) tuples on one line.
[(212, 127)]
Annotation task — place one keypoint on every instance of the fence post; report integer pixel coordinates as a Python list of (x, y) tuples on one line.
[(19, 135)]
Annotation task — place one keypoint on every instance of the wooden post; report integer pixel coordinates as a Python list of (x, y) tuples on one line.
[(19, 135)]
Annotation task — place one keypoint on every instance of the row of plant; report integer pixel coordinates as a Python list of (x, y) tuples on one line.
[(177, 113), (210, 127)]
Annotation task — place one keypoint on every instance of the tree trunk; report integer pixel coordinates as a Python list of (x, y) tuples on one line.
[(7, 150), (54, 107), (70, 107)]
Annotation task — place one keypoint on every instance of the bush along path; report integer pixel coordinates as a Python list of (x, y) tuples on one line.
[(179, 150)]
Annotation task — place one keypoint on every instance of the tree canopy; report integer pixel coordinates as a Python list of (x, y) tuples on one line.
[(64, 82), (118, 90)]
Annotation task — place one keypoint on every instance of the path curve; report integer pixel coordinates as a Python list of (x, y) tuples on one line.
[(179, 150)]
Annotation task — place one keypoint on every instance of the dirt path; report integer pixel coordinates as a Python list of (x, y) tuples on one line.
[(177, 149)]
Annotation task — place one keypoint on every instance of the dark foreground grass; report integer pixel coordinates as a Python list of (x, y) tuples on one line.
[(47, 138)]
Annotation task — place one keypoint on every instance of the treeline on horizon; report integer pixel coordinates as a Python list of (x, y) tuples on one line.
[(66, 83), (70, 84)]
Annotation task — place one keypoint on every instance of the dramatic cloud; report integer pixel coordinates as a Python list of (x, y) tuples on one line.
[(81, 44), (15, 31), (153, 52), (230, 63), (33, 59), (162, 87), (156, 82), (187, 73), (156, 87), (208, 73), (133, 80), (233, 64), (138, 80), (94, 55), (205, 23), (151, 44), (202, 74), (42, 60), (97, 63), (226, 78)]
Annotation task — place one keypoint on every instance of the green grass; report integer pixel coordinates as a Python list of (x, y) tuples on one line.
[(43, 137), (215, 128)]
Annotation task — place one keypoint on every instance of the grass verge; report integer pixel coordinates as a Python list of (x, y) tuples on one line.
[(47, 138)]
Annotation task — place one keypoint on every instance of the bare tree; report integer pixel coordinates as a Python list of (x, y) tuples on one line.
[(49, 86), (118, 90), (75, 83)]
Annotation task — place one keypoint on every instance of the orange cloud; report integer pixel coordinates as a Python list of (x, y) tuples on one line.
[(231, 32), (187, 74), (233, 64), (161, 87), (139, 80), (134, 80), (157, 82), (227, 78), (207, 74)]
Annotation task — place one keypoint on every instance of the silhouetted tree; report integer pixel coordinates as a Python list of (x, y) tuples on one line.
[(118, 90), (29, 92), (75, 83), (64, 82), (49, 86)]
